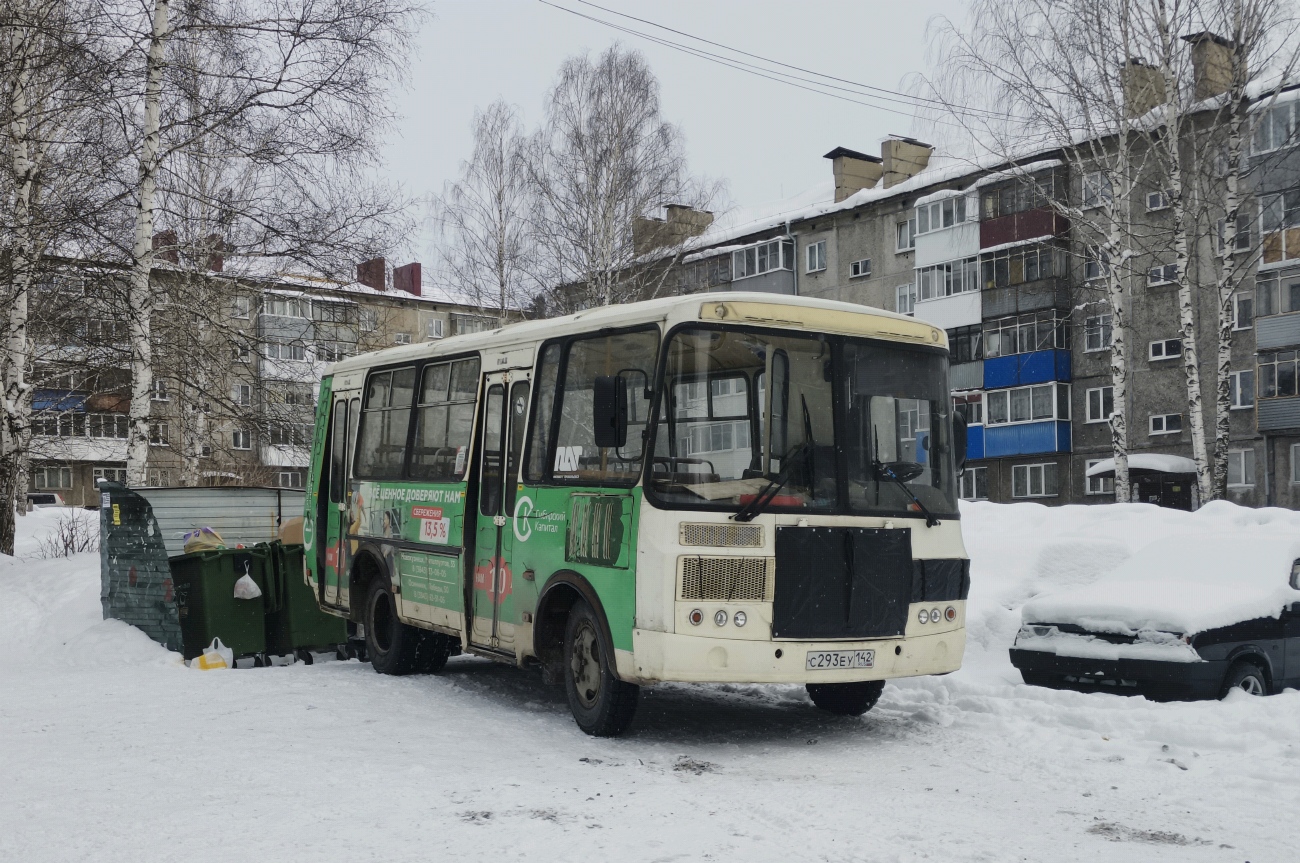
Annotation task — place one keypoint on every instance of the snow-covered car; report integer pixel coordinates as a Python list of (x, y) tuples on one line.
[(1184, 618), (44, 498)]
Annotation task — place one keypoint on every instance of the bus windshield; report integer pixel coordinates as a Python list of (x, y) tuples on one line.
[(843, 425)]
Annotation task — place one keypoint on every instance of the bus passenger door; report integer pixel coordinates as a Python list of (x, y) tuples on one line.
[(334, 526), (501, 455)]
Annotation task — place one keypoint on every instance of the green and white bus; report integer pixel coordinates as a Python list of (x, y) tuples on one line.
[(738, 487)]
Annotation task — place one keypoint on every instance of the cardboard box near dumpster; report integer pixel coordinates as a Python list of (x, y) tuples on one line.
[(185, 596)]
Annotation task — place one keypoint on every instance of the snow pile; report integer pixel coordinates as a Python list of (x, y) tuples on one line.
[(1184, 584)]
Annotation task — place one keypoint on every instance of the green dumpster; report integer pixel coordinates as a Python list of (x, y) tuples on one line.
[(297, 624), (205, 598)]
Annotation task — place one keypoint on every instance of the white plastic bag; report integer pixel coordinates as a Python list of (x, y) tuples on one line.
[(246, 588), (215, 655)]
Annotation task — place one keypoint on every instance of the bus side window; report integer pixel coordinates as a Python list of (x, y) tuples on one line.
[(539, 438), (381, 450), (490, 483), (444, 421), (518, 407), (338, 451)]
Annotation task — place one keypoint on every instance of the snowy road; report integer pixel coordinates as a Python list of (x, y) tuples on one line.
[(110, 751)]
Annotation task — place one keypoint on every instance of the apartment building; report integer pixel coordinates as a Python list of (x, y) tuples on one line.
[(984, 252), (235, 381)]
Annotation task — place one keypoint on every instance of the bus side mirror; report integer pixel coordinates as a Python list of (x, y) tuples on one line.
[(959, 441), (609, 411)]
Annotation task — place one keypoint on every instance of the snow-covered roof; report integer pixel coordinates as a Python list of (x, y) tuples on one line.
[(1184, 584), (1156, 462), (1042, 238), (1018, 171)]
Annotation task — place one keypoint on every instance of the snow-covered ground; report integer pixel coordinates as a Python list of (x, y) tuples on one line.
[(111, 750)]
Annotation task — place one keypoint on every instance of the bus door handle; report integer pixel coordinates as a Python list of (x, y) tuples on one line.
[(343, 507), (499, 520)]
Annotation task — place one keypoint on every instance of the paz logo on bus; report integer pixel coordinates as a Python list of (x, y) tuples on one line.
[(433, 526), (567, 457)]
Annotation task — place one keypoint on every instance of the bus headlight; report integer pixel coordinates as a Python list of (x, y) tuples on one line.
[(934, 615), (695, 617), (720, 617), (923, 616), (740, 618)]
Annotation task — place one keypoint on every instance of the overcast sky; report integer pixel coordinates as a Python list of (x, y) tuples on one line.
[(765, 138)]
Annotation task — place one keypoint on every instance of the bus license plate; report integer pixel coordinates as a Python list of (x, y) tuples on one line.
[(821, 660)]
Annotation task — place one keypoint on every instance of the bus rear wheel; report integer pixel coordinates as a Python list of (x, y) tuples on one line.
[(395, 647), (602, 705), (846, 699)]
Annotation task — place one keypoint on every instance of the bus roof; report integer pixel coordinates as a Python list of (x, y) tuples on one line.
[(753, 308)]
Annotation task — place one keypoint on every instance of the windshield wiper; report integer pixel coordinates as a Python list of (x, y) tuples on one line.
[(760, 501), (884, 470)]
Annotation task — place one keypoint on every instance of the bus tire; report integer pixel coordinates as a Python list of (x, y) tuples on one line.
[(602, 705), (393, 646), (846, 699)]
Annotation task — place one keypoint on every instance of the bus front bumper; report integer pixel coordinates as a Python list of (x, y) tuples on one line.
[(665, 656)]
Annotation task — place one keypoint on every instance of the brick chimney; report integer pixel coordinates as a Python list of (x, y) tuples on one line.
[(1211, 63), (164, 247), (903, 158), (407, 279), (853, 171), (680, 224), (1144, 88), (371, 274), (215, 248)]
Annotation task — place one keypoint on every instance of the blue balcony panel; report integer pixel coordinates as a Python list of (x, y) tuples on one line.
[(1026, 439), (974, 442), (1036, 367)]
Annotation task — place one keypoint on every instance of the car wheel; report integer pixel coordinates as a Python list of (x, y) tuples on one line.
[(1246, 676), (846, 699), (602, 705), (393, 646)]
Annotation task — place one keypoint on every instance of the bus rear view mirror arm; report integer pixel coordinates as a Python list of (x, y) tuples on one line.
[(609, 411)]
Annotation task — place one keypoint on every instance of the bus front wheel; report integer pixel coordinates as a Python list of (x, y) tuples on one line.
[(602, 705), (395, 647), (846, 699)]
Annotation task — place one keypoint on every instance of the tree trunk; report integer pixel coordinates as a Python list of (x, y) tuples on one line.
[(140, 298)]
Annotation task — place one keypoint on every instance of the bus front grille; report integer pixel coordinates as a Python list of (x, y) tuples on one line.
[(722, 535), (727, 579)]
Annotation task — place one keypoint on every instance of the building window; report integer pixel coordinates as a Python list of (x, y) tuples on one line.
[(331, 313), (368, 320), (1097, 333), (239, 307), (243, 395), (1165, 274), (401, 338), (1096, 263), (462, 324), (1241, 240), (291, 479), (1165, 349), (944, 280), (905, 236), (288, 434), (294, 351), (969, 406), (965, 344), (815, 257), (1273, 298), (1028, 404), (905, 302), (240, 352), (1277, 375), (241, 439), (1295, 462), (158, 477), (158, 434), (1166, 424), (1241, 466), (760, 259), (1022, 334), (1097, 484), (52, 477), (108, 426), (1034, 480), (1275, 130), (1243, 311), (108, 474), (1277, 213), (1018, 265), (158, 392), (940, 214), (331, 352), (974, 484), (1031, 193), (1096, 190), (1241, 386), (1157, 201), (284, 307), (1101, 404), (860, 269), (435, 328)]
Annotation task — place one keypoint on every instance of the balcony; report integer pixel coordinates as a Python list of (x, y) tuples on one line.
[(1035, 367), (1033, 438), (1026, 297), (974, 443), (1277, 331), (1020, 226), (966, 376), (1278, 414)]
